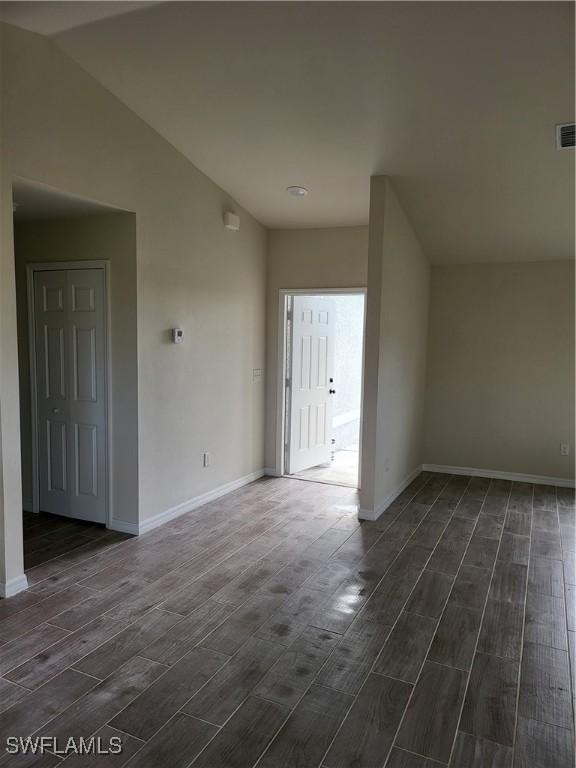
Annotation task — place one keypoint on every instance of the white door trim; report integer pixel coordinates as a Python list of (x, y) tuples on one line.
[(51, 266), (283, 294)]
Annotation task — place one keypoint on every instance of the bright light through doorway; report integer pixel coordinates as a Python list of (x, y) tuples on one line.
[(345, 332)]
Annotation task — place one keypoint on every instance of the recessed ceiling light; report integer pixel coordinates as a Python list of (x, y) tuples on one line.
[(297, 191)]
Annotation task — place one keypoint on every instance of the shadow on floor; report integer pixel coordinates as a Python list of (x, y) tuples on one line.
[(47, 537)]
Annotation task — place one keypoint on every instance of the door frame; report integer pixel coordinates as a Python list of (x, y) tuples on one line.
[(51, 266), (282, 383)]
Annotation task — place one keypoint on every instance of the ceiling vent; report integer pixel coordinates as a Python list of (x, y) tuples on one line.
[(565, 136)]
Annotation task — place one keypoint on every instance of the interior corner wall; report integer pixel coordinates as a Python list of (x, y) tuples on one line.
[(396, 349), (306, 258), (500, 390), (109, 237), (62, 128)]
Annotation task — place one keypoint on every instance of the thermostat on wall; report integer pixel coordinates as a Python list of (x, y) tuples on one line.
[(177, 335)]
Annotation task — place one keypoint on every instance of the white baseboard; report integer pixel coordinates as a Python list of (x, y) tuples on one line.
[(374, 514), (137, 529), (12, 587), (123, 527), (187, 506), (495, 474)]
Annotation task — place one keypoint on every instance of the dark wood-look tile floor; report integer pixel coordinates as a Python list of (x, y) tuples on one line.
[(48, 537), (271, 628)]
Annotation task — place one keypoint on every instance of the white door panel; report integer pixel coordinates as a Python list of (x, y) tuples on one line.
[(56, 461), (88, 383), (71, 389), (312, 369), (52, 392)]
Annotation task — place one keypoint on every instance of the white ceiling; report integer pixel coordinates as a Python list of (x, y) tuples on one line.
[(457, 102)]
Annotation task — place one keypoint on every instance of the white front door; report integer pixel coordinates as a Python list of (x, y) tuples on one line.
[(312, 382), (69, 313)]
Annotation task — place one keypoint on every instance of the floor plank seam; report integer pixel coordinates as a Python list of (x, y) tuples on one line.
[(263, 753), (564, 590), (397, 619), (425, 656), (483, 614), (207, 681), (77, 672), (571, 670)]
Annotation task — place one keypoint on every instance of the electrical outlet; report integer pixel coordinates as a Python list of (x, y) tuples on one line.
[(564, 449)]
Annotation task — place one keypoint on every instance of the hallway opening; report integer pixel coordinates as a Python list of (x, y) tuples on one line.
[(75, 323)]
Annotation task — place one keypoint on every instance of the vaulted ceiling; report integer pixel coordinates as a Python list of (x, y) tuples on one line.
[(456, 101)]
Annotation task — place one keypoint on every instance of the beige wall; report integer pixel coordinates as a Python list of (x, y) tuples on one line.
[(11, 542), (500, 392), (61, 128), (111, 237), (395, 360), (306, 258)]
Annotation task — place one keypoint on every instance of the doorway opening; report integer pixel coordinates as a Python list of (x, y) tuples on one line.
[(323, 335), (71, 331)]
